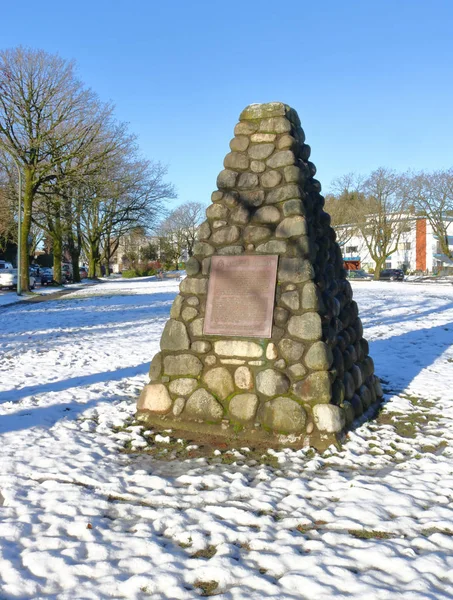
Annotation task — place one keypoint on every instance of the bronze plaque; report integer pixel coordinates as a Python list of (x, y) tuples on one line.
[(241, 295)]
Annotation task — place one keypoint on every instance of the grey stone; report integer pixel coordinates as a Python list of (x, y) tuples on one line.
[(284, 158), (238, 348), (239, 143), (262, 111), (175, 310), (236, 160), (277, 333), (271, 383), (182, 364), (291, 300), (292, 174), (243, 378), (251, 198), (155, 368), (275, 125), (378, 388), (259, 138), (310, 296), (280, 364), (280, 315), (267, 214), (203, 249), (349, 413), (218, 224), (270, 179), (297, 371), (200, 347), (202, 405), (316, 387), (365, 396), (282, 193), (219, 381), (217, 196), (294, 270), (210, 360), (271, 351), (226, 179), (240, 215), (260, 151), (329, 418), (178, 406), (183, 386), (291, 227), (257, 166), (243, 407), (293, 207), (206, 266), (204, 231), (319, 356), (349, 386), (196, 328), (283, 415), (254, 234), (192, 266), (189, 285), (272, 247), (188, 314), (155, 398), (193, 301), (174, 336), (245, 128), (217, 211), (231, 250), (290, 350), (356, 375), (306, 327), (226, 235), (286, 141), (247, 181), (338, 391)]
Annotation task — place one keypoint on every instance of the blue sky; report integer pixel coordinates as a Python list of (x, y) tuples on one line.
[(371, 79)]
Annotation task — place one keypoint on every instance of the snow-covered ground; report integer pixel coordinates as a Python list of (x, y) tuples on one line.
[(80, 518)]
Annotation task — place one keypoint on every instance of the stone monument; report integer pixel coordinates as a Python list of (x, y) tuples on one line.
[(264, 341)]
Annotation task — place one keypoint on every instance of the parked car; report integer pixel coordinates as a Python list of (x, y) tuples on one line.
[(46, 275), (8, 279), (5, 265), (83, 272), (66, 273), (359, 274), (392, 275)]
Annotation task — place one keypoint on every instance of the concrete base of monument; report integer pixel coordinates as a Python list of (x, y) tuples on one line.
[(231, 434)]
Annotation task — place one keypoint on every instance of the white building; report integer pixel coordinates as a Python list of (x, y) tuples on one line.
[(418, 249)]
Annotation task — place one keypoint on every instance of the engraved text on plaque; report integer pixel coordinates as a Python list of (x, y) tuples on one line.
[(241, 294)]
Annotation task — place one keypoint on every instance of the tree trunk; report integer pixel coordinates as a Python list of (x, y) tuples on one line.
[(57, 256), (378, 268), (94, 257), (25, 229)]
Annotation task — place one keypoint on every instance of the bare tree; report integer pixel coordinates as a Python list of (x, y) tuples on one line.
[(179, 229), (431, 195), (345, 205), (43, 122), (8, 203), (385, 215), (127, 194)]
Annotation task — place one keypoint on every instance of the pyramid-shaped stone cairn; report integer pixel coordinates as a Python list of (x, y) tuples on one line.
[(306, 379)]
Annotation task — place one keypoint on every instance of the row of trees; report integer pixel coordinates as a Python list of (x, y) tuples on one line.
[(379, 208), (84, 184)]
